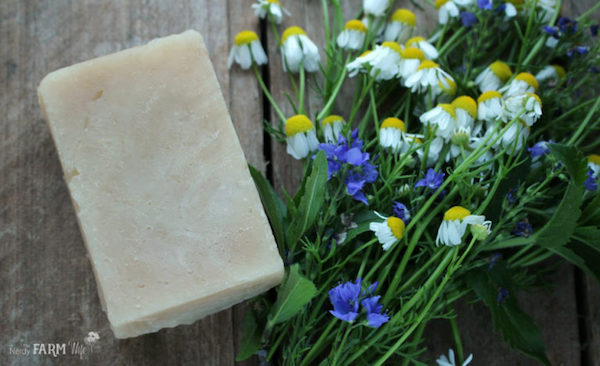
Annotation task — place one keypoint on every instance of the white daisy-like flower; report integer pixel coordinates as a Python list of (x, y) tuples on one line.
[(421, 43), (493, 77), (446, 9), (474, 143), (246, 50), (360, 64), (353, 35), (433, 154), (296, 49), (594, 164), (384, 60), (551, 73), (518, 132), (510, 11), (401, 26), (530, 102), (428, 75), (332, 127), (459, 141), (301, 136), (389, 231), (391, 135), (547, 8), (411, 58), (466, 112), (270, 8), (451, 361), (442, 116), (490, 106), (455, 223), (445, 91), (522, 83), (375, 7)]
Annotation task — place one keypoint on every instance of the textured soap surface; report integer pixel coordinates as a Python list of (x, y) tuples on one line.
[(169, 214)]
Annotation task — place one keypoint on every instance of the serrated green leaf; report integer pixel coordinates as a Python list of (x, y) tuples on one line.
[(518, 329), (275, 209), (310, 202), (573, 161), (583, 256), (252, 336), (295, 292)]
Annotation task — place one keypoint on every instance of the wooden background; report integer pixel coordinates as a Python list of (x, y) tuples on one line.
[(47, 290)]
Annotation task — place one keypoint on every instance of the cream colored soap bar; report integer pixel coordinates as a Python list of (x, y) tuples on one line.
[(168, 211)]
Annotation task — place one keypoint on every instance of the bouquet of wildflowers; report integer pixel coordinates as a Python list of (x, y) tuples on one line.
[(464, 159)]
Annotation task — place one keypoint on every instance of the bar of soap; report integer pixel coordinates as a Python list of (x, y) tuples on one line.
[(169, 214)]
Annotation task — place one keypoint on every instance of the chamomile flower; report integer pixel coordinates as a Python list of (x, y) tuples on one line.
[(411, 58), (529, 103), (269, 8), (594, 164), (421, 43), (246, 50), (466, 111), (391, 135), (547, 8), (552, 73), (384, 60), (359, 64), (332, 127), (522, 83), (375, 7), (493, 77), (443, 116), (389, 231), (446, 9), (401, 26), (297, 49), (515, 136), (353, 35), (428, 75), (490, 106), (301, 136), (445, 90), (455, 223), (451, 361)]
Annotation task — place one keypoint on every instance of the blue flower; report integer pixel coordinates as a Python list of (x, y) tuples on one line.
[(594, 30), (552, 31), (510, 196), (580, 50), (590, 183), (567, 25), (502, 295), (539, 149), (432, 180), (522, 228), (484, 4), (401, 212), (468, 18), (344, 299), (495, 258), (354, 185), (374, 317)]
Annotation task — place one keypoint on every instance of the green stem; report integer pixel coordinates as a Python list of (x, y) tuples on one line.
[(341, 346), (301, 92), (318, 346), (457, 340), (267, 94), (329, 105), (589, 12), (585, 122)]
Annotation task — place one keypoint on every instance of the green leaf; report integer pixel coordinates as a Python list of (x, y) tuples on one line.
[(518, 329), (295, 292), (362, 220), (512, 180), (573, 161), (275, 209), (311, 201), (252, 335), (583, 256)]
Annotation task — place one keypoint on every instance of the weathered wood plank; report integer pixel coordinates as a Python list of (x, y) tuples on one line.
[(48, 290)]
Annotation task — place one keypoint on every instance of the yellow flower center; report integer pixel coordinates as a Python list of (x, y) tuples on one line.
[(393, 46), (415, 139), (448, 108), (397, 226), (427, 64), (536, 97), (529, 79), (516, 2), (331, 119), (560, 71), (365, 53), (405, 16), (273, 1), (292, 31), (490, 94), (413, 52), (501, 70), (414, 40), (439, 3), (594, 159), (298, 124), (356, 25), (466, 103), (450, 89), (393, 122), (456, 213), (245, 37)]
